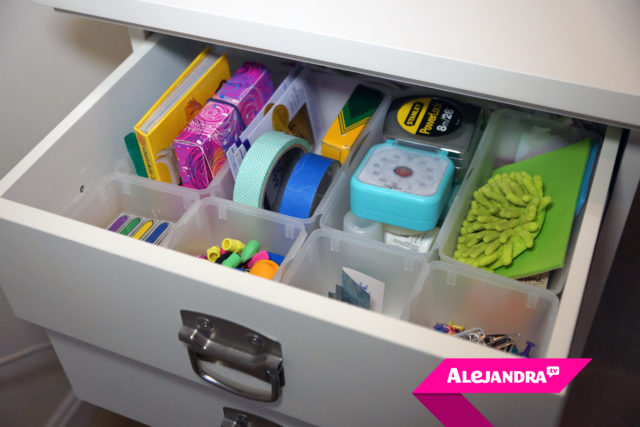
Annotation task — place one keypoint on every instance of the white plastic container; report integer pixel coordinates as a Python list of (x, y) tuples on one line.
[(498, 147), (318, 266), (118, 193), (478, 299), (212, 220), (217, 187)]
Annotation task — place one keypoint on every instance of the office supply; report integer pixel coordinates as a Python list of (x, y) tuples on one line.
[(374, 287), (307, 184), (264, 171), (146, 229), (350, 123), (176, 107), (442, 124), (157, 234), (200, 148), (252, 247), (527, 351), (419, 242), (167, 157), (257, 257), (402, 186), (264, 268), (131, 226), (232, 245), (223, 257), (292, 109), (119, 222), (142, 230), (131, 142), (213, 253), (586, 178), (233, 260), (277, 258), (539, 280)]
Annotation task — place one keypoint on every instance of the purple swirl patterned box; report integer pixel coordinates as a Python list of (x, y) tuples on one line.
[(200, 148)]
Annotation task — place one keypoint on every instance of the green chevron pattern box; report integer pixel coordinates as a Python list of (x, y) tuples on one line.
[(350, 122)]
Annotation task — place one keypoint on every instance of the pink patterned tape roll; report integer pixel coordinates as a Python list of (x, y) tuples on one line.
[(200, 147)]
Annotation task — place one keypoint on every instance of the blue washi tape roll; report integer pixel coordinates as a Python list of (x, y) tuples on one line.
[(307, 185)]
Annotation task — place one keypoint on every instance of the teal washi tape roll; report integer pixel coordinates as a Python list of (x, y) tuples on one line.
[(265, 169), (307, 185)]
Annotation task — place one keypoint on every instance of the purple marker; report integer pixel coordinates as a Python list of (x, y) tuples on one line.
[(118, 223)]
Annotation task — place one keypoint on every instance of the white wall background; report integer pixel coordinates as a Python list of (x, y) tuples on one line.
[(48, 63)]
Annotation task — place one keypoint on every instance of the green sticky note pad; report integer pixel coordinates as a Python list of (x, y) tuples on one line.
[(134, 152), (561, 171)]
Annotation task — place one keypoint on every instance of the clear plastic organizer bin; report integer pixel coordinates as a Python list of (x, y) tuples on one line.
[(330, 91), (477, 299), (317, 267), (120, 193), (212, 220), (498, 147)]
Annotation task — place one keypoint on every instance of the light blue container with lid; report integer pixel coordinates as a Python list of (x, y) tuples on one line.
[(401, 185)]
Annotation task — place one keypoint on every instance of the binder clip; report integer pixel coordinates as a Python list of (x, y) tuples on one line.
[(501, 342)]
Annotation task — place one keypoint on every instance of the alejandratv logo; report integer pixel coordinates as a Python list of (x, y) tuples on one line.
[(500, 377)]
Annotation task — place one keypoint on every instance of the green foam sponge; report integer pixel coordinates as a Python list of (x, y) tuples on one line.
[(506, 215)]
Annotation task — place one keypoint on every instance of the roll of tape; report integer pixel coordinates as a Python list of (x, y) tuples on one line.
[(307, 185), (266, 167)]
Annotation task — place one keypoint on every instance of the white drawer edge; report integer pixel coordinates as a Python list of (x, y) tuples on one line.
[(279, 295), (57, 132), (503, 80), (571, 298)]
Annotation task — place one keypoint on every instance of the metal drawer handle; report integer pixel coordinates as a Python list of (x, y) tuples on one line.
[(237, 418), (218, 341)]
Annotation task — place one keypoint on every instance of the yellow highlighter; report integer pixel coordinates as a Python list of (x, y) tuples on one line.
[(143, 229)]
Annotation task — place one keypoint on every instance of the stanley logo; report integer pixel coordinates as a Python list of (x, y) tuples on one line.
[(413, 114)]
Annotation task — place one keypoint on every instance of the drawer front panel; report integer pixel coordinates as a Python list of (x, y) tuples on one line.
[(131, 388), (146, 394)]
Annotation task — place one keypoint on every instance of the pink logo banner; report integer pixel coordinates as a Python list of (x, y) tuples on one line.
[(441, 391)]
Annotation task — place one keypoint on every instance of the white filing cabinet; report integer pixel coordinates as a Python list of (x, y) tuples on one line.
[(113, 305)]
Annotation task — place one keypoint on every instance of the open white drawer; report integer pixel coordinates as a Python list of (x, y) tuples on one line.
[(342, 365)]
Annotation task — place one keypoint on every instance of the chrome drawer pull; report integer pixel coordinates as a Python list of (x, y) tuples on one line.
[(237, 418), (227, 344)]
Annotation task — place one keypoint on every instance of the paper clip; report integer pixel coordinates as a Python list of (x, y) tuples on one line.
[(474, 335)]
